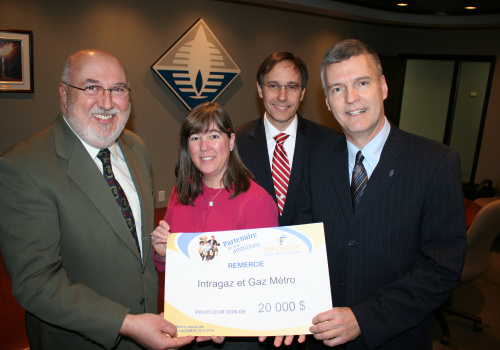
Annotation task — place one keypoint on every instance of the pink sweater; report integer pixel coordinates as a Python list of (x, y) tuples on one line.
[(254, 208)]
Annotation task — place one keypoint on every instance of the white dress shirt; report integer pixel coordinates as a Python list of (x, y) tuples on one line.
[(289, 144)]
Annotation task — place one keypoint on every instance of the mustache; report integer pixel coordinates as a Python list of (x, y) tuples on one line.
[(99, 110)]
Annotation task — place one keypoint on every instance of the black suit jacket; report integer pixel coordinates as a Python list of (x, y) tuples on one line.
[(399, 256), (252, 147)]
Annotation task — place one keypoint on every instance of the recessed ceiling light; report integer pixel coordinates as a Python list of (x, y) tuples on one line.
[(402, 4), (470, 7)]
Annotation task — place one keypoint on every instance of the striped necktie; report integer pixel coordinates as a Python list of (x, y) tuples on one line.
[(359, 179), (117, 191), (281, 170)]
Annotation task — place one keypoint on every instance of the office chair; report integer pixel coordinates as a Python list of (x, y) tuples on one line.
[(483, 201), (480, 236)]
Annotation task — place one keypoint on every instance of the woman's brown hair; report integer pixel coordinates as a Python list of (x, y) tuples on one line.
[(189, 179)]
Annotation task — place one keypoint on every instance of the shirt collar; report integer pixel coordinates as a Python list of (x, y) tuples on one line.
[(372, 150), (271, 131)]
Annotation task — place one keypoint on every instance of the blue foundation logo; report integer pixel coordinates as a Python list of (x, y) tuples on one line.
[(197, 68)]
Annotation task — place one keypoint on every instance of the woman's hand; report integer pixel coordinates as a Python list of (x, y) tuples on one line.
[(159, 239), (287, 340), (217, 340)]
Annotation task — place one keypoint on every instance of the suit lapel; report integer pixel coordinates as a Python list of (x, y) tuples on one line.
[(134, 165), (258, 153), (340, 179), (386, 171), (299, 154), (84, 172)]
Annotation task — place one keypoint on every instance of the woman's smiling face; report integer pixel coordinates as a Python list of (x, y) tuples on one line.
[(210, 152)]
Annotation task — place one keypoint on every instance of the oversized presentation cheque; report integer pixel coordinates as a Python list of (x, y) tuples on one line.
[(255, 282)]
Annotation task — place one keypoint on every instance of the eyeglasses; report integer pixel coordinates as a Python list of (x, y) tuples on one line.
[(95, 91), (277, 87)]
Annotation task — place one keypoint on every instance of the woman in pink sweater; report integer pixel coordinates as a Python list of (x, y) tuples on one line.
[(214, 190)]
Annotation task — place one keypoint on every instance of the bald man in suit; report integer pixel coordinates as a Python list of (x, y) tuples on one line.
[(393, 211), (85, 280)]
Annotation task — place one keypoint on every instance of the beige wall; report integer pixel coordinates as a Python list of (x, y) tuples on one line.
[(139, 32)]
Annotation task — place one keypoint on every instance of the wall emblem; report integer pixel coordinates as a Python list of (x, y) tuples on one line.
[(197, 68)]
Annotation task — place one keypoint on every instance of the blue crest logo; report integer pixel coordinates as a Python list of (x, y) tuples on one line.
[(197, 68)]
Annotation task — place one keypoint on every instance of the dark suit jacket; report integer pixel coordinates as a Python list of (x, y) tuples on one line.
[(398, 258), (252, 147), (74, 265)]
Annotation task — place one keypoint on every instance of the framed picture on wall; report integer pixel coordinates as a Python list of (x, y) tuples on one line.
[(16, 60)]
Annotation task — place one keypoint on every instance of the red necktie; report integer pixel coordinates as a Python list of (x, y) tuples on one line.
[(281, 170)]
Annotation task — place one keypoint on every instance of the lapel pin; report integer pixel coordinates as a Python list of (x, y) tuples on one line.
[(391, 173)]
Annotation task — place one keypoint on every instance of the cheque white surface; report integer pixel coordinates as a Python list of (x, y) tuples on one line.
[(256, 282)]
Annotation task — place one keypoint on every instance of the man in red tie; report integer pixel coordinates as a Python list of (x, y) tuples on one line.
[(273, 146)]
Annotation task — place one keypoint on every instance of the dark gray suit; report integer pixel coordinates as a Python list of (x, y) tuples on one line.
[(398, 258), (74, 265), (252, 146)]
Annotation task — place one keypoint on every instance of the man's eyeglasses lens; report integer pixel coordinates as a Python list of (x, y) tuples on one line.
[(98, 91), (277, 87)]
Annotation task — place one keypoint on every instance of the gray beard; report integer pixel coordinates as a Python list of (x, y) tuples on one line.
[(88, 135)]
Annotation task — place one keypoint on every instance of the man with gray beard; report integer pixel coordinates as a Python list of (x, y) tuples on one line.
[(76, 243)]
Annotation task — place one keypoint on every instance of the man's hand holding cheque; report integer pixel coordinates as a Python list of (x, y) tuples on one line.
[(159, 240), (336, 326)]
